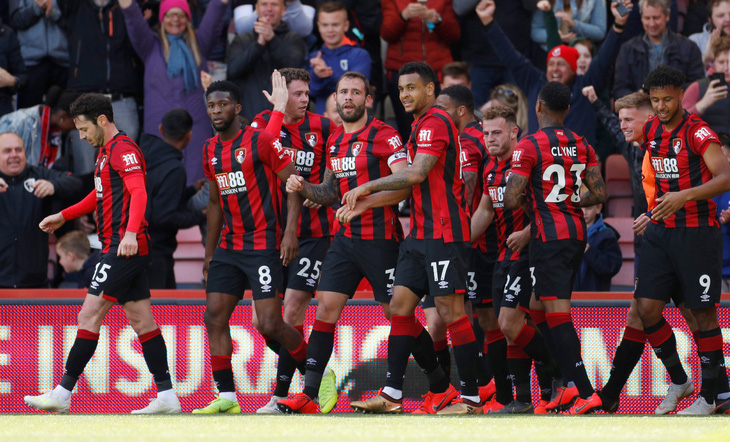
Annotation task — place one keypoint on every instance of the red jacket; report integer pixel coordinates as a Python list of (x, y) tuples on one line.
[(412, 41)]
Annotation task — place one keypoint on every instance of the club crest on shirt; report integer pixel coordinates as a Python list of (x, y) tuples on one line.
[(240, 155), (356, 148), (676, 145), (29, 185), (311, 138), (102, 162)]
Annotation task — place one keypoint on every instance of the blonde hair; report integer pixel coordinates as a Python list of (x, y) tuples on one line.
[(75, 242), (637, 100), (512, 96), (190, 40)]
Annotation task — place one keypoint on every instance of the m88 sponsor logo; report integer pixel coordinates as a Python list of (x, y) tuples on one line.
[(665, 167), (231, 182), (343, 166)]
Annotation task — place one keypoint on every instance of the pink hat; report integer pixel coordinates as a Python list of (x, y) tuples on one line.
[(166, 5), (567, 53)]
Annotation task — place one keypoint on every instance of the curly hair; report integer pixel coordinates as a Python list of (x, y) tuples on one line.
[(664, 76)]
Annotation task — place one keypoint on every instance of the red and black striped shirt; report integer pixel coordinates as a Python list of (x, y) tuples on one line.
[(554, 160), (439, 209), (362, 156), (474, 159), (245, 171), (304, 143), (676, 157), (506, 221), (119, 159)]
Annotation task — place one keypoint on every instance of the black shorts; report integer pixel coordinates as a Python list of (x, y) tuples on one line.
[(684, 260), (479, 279), (513, 284), (432, 267), (233, 271), (554, 265), (349, 260), (121, 279), (303, 273)]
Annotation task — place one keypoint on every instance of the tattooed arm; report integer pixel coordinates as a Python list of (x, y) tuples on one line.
[(410, 176), (470, 182), (325, 194), (596, 188), (514, 196)]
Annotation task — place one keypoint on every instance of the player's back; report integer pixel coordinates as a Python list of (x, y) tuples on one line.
[(555, 159)]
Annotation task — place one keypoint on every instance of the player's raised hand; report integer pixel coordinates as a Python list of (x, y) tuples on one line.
[(128, 245), (485, 10), (640, 224), (52, 222), (351, 197), (279, 95), (294, 183)]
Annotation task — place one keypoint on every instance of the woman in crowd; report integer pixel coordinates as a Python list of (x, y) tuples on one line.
[(174, 57)]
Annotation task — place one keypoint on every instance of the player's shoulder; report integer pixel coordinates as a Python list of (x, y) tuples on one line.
[(325, 122), (698, 129), (261, 119), (382, 128), (435, 116)]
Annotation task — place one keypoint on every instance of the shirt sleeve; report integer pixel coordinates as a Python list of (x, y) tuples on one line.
[(432, 137), (207, 167), (700, 137), (271, 151), (523, 158), (127, 160), (471, 155), (389, 146)]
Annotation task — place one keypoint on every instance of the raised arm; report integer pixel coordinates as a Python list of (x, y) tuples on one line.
[(140, 35)]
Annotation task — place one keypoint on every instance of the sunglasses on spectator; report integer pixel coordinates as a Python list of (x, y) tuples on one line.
[(506, 91), (179, 15)]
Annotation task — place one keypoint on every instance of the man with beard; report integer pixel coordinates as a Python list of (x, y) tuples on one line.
[(433, 258), (120, 199), (366, 245), (242, 249)]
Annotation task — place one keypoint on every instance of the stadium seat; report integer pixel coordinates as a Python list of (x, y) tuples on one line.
[(189, 257), (618, 184)]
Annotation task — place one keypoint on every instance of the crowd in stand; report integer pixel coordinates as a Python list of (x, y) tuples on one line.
[(153, 59)]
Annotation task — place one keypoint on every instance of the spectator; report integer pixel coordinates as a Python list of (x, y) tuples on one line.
[(337, 55), (174, 57), (167, 195), (717, 26), (586, 49), (26, 192), (416, 31), (486, 69), (44, 46), (299, 18), (76, 257), (627, 135), (576, 19), (12, 68), (723, 209), (714, 106), (561, 67), (42, 127), (511, 96), (331, 111), (658, 45), (456, 72), (253, 56), (602, 259)]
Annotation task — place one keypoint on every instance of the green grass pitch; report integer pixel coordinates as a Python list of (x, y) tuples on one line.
[(352, 427)]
